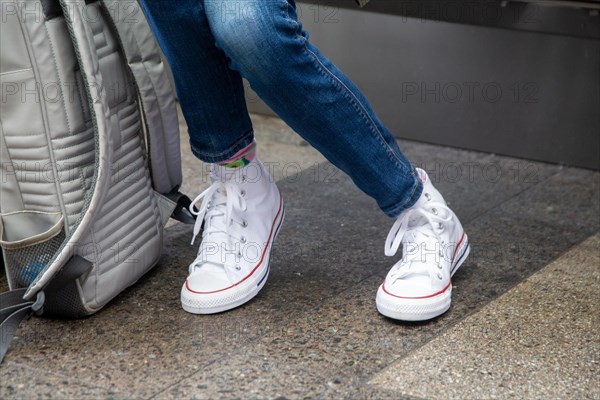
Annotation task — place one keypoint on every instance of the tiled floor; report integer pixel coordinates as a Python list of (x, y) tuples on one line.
[(538, 340), (314, 331)]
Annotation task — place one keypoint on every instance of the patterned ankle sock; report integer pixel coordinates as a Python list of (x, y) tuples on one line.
[(241, 158)]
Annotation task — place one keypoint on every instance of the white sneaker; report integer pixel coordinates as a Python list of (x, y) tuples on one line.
[(419, 287), (242, 212)]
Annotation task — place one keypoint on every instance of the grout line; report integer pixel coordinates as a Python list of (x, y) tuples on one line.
[(485, 305), (481, 308)]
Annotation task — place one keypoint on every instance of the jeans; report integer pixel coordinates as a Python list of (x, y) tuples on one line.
[(211, 44)]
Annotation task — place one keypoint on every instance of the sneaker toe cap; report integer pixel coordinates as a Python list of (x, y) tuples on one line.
[(416, 286)]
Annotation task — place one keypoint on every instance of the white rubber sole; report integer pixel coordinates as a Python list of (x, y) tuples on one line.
[(421, 309), (235, 297)]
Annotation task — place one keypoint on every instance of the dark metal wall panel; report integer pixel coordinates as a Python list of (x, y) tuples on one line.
[(527, 94), (569, 18)]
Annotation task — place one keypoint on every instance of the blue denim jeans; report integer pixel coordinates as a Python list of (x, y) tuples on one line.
[(211, 44)]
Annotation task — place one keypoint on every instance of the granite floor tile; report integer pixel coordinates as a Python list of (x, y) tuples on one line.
[(570, 198), (540, 340)]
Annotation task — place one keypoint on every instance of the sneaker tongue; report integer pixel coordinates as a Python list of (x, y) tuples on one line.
[(213, 247), (420, 233), (418, 236), (422, 175)]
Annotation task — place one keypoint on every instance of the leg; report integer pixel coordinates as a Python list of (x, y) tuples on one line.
[(268, 46), (242, 210), (211, 95)]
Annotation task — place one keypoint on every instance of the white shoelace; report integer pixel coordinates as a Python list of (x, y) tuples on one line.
[(218, 203), (416, 222)]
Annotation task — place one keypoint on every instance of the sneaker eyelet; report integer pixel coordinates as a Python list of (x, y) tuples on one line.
[(439, 266), (441, 227), (243, 193), (238, 268), (243, 239), (439, 276), (244, 178), (427, 196), (434, 211), (244, 224)]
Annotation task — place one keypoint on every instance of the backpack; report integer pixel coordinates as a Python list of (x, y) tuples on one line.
[(90, 156)]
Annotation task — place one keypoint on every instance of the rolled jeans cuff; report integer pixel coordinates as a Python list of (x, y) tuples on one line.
[(395, 210), (211, 157)]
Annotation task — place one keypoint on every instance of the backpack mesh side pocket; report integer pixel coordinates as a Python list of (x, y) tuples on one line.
[(29, 241)]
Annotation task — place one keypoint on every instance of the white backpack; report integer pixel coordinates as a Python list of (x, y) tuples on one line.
[(90, 157)]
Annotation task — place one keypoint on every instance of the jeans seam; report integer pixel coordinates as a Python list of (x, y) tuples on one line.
[(358, 106), (372, 127), (226, 154)]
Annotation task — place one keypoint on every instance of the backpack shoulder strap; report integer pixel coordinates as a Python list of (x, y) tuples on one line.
[(83, 41), (155, 92)]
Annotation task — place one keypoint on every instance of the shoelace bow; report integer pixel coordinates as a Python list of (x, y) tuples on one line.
[(428, 224), (218, 201)]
